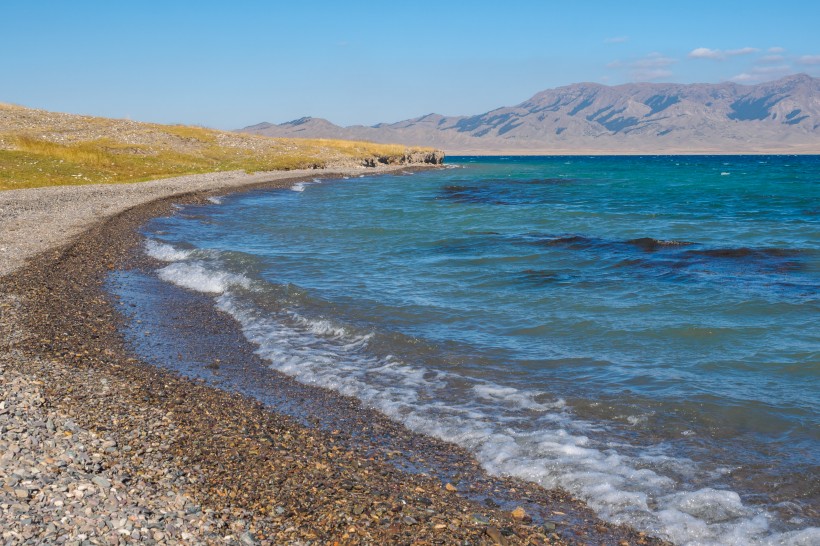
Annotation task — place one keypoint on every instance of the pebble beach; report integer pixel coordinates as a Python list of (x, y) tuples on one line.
[(97, 447)]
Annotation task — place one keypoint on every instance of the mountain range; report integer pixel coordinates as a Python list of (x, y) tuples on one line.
[(781, 116)]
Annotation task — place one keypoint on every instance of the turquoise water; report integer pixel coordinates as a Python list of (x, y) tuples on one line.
[(641, 331)]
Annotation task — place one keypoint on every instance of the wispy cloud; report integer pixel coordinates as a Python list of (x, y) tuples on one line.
[(777, 49), (809, 60), (617, 40), (652, 67), (720, 54), (742, 51), (763, 73)]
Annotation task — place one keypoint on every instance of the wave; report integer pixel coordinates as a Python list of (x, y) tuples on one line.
[(165, 252), (198, 276), (512, 431)]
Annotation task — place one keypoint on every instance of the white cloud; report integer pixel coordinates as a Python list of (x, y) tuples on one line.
[(617, 40), (777, 50), (771, 59), (809, 59), (718, 54), (704, 53)]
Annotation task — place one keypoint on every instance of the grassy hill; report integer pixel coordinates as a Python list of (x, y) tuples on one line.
[(40, 148)]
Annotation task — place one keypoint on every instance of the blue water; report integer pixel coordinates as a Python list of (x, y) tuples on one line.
[(642, 331)]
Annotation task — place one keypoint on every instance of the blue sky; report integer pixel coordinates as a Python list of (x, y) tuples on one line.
[(232, 64)]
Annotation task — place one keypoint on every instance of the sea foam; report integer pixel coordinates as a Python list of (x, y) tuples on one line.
[(201, 278), (165, 252), (323, 352)]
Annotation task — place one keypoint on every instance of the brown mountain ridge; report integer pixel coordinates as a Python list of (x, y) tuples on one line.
[(781, 116)]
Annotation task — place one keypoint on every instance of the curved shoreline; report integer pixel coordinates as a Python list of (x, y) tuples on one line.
[(262, 474), (33, 221)]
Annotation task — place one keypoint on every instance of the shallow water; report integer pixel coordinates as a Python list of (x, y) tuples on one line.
[(640, 331)]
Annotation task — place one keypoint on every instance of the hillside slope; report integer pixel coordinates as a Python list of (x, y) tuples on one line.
[(40, 148)]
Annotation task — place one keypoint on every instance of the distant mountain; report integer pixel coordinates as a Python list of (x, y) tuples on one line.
[(782, 116)]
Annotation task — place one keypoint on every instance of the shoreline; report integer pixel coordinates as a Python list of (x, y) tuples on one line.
[(245, 470), (41, 214), (596, 152)]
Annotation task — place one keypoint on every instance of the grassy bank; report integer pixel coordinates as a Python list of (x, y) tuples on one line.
[(40, 148)]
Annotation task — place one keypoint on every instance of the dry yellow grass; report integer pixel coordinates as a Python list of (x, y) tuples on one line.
[(40, 148)]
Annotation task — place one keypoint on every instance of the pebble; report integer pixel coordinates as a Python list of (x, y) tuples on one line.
[(521, 515), (483, 520), (496, 536), (48, 477)]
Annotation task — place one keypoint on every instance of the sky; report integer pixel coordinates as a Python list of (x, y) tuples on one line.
[(235, 63)]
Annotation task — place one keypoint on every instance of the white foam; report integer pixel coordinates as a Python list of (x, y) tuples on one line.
[(637, 419), (165, 252), (299, 186), (511, 431), (197, 276), (216, 200), (510, 396)]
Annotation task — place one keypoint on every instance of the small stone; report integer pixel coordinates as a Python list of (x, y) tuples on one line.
[(451, 488), (496, 535), (520, 514), (409, 520), (478, 518), (102, 483), (247, 538)]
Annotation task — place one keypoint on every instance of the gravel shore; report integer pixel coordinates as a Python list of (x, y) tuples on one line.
[(33, 221), (97, 447)]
